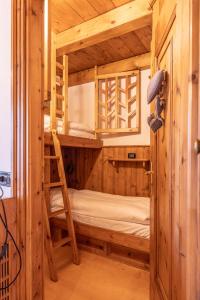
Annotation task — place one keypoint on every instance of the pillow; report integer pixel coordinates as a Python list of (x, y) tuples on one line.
[(155, 85)]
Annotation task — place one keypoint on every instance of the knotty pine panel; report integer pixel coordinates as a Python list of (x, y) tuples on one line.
[(90, 169)]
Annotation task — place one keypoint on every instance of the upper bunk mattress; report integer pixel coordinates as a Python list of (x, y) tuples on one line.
[(121, 213), (74, 128)]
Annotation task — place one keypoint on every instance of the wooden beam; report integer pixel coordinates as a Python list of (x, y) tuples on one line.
[(121, 20), (47, 49), (137, 62), (73, 141)]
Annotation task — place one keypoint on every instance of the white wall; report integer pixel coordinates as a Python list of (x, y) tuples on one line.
[(82, 104), (82, 109), (5, 88)]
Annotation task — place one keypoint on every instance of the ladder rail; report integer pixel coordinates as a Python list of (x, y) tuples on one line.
[(66, 210), (66, 201)]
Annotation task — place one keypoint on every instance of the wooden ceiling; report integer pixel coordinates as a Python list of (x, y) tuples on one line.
[(68, 13), (125, 46)]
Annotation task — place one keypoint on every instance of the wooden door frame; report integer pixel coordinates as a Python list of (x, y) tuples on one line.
[(186, 223), (192, 265), (28, 96), (28, 89)]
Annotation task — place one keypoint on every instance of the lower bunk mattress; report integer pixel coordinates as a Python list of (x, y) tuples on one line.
[(130, 215)]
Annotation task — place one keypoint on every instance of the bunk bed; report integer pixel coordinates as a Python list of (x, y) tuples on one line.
[(116, 220), (93, 232), (70, 134)]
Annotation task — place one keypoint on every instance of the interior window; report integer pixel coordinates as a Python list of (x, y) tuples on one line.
[(5, 99)]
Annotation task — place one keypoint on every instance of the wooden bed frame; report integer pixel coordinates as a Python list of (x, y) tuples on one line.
[(107, 242), (124, 247), (73, 141)]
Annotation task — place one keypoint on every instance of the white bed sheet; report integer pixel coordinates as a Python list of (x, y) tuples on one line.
[(120, 213), (136, 229), (81, 133)]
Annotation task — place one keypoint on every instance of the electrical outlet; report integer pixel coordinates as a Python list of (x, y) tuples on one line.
[(5, 179), (131, 155)]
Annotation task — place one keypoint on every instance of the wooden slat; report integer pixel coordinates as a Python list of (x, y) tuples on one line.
[(138, 102), (119, 21), (57, 213), (62, 242), (61, 9), (96, 97), (106, 102), (127, 103), (53, 184), (51, 157), (116, 102)]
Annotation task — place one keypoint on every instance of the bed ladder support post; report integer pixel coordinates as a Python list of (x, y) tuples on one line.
[(53, 103)]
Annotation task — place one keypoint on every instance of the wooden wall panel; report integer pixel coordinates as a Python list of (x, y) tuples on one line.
[(90, 169), (122, 47)]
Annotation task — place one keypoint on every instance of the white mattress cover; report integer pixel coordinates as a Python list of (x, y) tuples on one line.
[(120, 213), (107, 206), (75, 128), (81, 133)]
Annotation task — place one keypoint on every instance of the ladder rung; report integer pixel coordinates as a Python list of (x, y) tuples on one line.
[(59, 82), (59, 112), (51, 157), (57, 212), (60, 97), (53, 184), (59, 66), (62, 242)]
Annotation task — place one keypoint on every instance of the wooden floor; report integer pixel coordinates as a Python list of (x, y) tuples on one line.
[(96, 278)]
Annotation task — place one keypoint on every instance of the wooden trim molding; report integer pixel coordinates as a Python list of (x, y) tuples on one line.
[(28, 73)]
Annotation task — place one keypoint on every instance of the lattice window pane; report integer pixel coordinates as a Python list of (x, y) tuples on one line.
[(118, 102)]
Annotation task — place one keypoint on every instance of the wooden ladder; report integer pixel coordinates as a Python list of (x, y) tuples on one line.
[(71, 238), (59, 89)]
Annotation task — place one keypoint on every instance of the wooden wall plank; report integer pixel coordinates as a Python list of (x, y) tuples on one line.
[(93, 171), (137, 62)]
